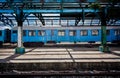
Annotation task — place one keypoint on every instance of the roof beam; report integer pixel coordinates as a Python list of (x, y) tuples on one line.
[(77, 20), (40, 17), (6, 20), (50, 11)]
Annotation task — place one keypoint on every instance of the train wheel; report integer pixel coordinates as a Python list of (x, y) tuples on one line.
[(33, 44), (41, 44)]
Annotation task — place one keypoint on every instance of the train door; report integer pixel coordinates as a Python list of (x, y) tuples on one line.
[(62, 36), (1, 37), (108, 35), (51, 36), (14, 36), (117, 35), (7, 35), (42, 36), (72, 35)]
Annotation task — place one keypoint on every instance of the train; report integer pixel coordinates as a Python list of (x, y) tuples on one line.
[(37, 35), (5, 35)]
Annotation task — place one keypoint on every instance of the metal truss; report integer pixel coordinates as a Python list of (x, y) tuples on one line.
[(40, 17), (6, 20), (79, 7)]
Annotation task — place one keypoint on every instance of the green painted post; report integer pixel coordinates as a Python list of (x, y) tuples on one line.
[(103, 47), (103, 28), (19, 50)]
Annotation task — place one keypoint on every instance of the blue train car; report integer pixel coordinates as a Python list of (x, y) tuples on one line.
[(1, 36), (43, 35), (115, 35), (4, 35)]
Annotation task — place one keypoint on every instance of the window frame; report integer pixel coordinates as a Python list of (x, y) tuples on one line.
[(61, 33), (33, 33), (72, 32), (83, 31), (117, 32), (41, 33), (96, 33)]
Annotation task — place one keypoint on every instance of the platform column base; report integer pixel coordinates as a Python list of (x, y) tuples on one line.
[(20, 50), (104, 49)]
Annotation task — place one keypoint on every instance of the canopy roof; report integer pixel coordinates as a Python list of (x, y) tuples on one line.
[(59, 12)]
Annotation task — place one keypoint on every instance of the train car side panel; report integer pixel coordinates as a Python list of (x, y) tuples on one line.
[(108, 35), (62, 36), (84, 35), (72, 35), (41, 36), (94, 35), (13, 36), (1, 37)]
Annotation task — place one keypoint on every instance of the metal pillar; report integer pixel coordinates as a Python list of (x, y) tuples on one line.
[(19, 17), (103, 47)]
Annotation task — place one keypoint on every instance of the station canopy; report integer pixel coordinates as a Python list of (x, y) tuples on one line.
[(59, 12)]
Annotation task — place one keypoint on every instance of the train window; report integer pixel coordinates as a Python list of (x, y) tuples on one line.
[(94, 32), (14, 31), (24, 33), (0, 33), (83, 32), (117, 32), (41, 32), (31, 33), (108, 32), (72, 32), (61, 33)]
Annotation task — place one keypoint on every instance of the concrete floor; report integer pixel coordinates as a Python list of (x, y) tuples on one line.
[(59, 54)]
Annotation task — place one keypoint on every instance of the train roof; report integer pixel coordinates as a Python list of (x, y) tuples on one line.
[(61, 28)]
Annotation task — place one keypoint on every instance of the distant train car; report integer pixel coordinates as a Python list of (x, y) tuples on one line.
[(43, 35), (5, 35)]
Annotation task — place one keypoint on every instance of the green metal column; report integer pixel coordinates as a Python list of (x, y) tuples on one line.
[(103, 35), (103, 47), (19, 17)]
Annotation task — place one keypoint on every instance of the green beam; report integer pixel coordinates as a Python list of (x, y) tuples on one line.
[(86, 10)]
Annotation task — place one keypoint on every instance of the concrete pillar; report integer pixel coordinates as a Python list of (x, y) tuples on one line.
[(19, 36), (20, 49)]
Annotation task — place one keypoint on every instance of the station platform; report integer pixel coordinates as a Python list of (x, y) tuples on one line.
[(40, 55), (60, 58)]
